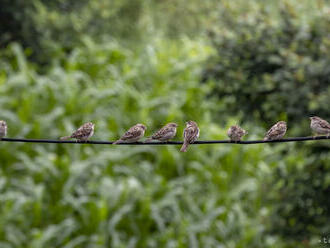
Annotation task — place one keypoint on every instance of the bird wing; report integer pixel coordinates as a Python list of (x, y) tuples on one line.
[(82, 131), (274, 131), (190, 134), (324, 124), (132, 133), (240, 131), (160, 133)]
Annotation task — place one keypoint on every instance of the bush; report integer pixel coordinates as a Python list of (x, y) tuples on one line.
[(101, 196), (272, 68), (267, 68), (50, 28), (299, 199)]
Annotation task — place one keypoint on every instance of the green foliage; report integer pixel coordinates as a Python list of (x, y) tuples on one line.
[(49, 28), (272, 67), (101, 196), (302, 186), (117, 63), (53, 27)]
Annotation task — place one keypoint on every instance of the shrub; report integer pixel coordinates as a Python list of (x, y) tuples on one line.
[(272, 68)]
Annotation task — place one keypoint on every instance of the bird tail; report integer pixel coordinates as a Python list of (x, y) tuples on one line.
[(65, 138), (184, 147), (116, 142)]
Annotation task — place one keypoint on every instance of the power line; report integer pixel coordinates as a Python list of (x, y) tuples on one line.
[(201, 142)]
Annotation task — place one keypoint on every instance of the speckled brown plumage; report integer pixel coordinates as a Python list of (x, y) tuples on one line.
[(190, 135), (277, 131), (133, 134), (83, 133), (165, 133), (235, 133), (320, 126), (3, 129)]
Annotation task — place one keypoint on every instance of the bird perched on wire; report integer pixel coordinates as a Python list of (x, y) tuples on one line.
[(166, 133), (277, 131), (235, 133), (83, 133), (132, 135), (3, 129), (320, 126), (190, 135)]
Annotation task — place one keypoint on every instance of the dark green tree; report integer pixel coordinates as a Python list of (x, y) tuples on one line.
[(268, 70)]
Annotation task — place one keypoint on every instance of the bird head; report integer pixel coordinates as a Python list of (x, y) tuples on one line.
[(314, 118), (191, 123), (172, 124), (90, 124), (141, 126), (282, 123), (3, 124)]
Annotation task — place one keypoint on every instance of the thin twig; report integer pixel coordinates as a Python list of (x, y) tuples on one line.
[(201, 142)]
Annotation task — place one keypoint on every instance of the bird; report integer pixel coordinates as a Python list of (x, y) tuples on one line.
[(3, 129), (83, 133), (190, 135), (320, 126), (277, 131), (166, 133), (132, 135), (235, 133)]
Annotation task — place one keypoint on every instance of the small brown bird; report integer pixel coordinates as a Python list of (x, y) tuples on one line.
[(133, 134), (83, 133), (277, 131), (3, 129), (166, 133), (190, 135), (320, 126), (235, 133)]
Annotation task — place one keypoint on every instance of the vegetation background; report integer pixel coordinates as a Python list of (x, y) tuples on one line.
[(119, 62)]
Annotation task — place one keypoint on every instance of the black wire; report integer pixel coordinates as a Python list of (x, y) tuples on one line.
[(166, 143)]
